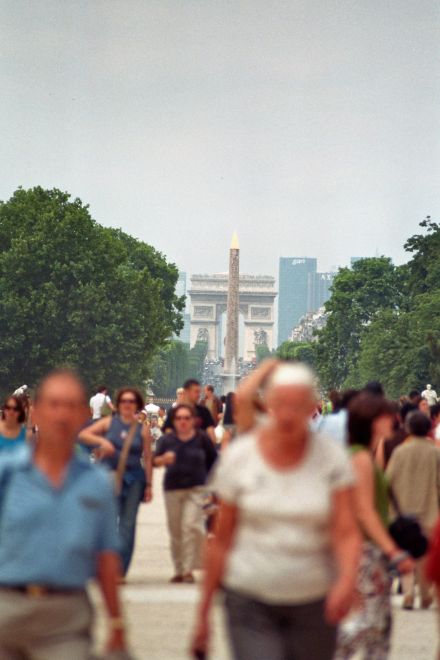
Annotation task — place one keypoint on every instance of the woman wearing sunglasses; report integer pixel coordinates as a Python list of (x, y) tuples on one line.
[(187, 455), (12, 424), (136, 479)]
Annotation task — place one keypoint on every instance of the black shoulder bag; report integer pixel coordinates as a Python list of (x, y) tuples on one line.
[(407, 532)]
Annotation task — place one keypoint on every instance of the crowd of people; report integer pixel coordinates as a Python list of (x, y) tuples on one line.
[(303, 513)]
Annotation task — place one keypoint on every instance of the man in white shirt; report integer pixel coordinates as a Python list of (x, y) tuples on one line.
[(101, 404), (430, 395)]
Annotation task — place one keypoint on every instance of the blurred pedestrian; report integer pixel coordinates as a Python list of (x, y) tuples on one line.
[(213, 403), (367, 630), (57, 531), (414, 477), (122, 429), (12, 424), (285, 523), (101, 404), (202, 417), (187, 455)]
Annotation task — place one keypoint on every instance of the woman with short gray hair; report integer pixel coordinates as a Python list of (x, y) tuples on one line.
[(287, 546)]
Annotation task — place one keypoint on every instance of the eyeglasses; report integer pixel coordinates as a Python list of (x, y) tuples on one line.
[(127, 401), (180, 417), (12, 408)]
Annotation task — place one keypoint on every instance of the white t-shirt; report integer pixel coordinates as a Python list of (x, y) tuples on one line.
[(281, 552), (96, 403)]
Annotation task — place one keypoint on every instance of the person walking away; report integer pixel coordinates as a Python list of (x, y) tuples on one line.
[(187, 455), (136, 480), (367, 629), (213, 403), (13, 432), (414, 477), (287, 546), (100, 404), (229, 425), (57, 531), (202, 417)]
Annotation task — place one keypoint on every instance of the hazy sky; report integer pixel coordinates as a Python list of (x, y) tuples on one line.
[(310, 127)]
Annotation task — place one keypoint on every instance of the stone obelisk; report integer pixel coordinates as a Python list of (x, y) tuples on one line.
[(230, 375)]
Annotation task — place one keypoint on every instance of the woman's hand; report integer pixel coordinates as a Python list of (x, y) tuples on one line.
[(340, 600), (105, 448), (201, 637), (148, 494)]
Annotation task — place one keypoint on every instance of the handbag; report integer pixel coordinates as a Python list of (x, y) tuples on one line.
[(406, 531), (123, 457)]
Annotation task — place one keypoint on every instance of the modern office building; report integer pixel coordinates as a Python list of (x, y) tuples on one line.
[(293, 297), (319, 290)]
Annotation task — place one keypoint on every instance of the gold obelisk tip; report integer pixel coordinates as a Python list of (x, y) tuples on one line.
[(235, 245)]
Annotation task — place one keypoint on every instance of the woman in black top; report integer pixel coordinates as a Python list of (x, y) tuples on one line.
[(187, 455)]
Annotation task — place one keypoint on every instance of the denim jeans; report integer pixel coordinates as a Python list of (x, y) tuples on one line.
[(129, 501), (262, 631)]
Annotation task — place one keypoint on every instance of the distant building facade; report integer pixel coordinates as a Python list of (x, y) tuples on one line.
[(310, 323)]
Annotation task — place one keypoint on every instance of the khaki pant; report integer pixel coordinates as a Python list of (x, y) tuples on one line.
[(186, 527), (52, 627), (410, 580)]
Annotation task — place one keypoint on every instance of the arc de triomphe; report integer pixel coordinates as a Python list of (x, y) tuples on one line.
[(208, 294)]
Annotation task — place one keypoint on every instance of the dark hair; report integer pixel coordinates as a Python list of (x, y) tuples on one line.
[(19, 404), (140, 402), (418, 424), (435, 410), (70, 374), (346, 397), (363, 410), (335, 399), (413, 394), (190, 382), (210, 388), (182, 406), (102, 388), (229, 410), (374, 387), (406, 409)]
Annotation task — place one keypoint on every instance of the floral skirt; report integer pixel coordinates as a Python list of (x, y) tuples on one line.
[(367, 628)]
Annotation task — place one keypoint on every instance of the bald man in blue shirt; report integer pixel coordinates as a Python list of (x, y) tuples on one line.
[(57, 531)]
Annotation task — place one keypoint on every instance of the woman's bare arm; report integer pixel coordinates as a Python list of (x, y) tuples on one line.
[(93, 436), (215, 559), (346, 543)]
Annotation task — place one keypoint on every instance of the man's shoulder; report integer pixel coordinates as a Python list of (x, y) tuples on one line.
[(98, 474), (15, 460)]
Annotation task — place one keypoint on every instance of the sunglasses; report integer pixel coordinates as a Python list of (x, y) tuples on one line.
[(179, 417), (12, 408), (127, 401)]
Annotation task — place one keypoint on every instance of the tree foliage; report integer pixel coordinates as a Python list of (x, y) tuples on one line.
[(300, 351), (384, 322), (175, 363), (76, 293), (358, 295)]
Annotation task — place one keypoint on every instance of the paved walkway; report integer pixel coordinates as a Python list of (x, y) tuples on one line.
[(160, 615)]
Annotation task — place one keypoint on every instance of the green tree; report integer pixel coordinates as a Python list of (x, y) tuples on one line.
[(358, 296), (262, 351), (300, 351), (75, 293), (175, 363)]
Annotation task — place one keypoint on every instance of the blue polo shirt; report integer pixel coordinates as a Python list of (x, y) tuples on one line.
[(52, 536)]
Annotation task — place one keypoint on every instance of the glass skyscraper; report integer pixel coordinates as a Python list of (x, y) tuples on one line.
[(294, 292)]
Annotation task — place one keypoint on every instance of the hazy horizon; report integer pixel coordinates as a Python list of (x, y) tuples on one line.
[(310, 128)]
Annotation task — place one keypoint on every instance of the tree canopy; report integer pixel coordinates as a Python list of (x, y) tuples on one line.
[(384, 321), (78, 294)]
